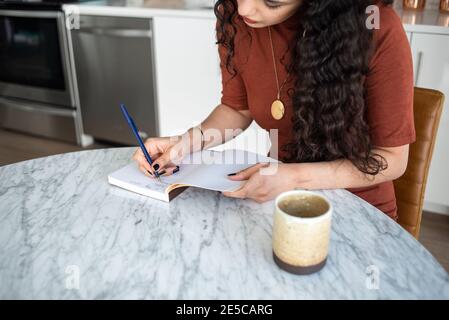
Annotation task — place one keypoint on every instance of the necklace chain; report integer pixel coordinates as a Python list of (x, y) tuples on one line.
[(275, 67)]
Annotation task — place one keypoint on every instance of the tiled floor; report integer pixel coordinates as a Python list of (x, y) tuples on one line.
[(16, 147)]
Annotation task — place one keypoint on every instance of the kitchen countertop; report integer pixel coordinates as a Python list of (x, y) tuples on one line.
[(427, 21), (65, 233), (146, 8)]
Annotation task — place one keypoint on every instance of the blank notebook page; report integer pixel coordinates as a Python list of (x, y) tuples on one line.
[(208, 170)]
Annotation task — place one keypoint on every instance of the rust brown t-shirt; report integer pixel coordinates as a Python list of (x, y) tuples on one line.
[(389, 88)]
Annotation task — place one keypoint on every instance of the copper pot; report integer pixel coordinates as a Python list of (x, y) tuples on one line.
[(414, 4), (444, 5)]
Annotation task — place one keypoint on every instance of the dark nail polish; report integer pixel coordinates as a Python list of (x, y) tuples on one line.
[(232, 174), (156, 167), (150, 172), (176, 170), (162, 172)]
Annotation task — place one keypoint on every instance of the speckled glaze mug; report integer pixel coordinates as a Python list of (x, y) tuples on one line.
[(301, 231)]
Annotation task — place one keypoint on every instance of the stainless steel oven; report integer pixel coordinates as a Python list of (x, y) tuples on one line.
[(34, 61), (38, 92)]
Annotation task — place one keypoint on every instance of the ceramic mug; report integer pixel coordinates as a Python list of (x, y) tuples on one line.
[(301, 231)]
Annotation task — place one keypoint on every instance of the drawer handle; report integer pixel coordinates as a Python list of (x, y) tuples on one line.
[(36, 107), (128, 33), (418, 67)]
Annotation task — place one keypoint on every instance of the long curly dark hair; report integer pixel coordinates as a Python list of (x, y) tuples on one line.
[(329, 65)]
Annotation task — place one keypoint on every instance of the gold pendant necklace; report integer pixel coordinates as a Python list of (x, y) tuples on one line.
[(277, 107)]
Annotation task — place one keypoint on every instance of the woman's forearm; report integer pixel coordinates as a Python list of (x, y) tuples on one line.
[(222, 124), (343, 174)]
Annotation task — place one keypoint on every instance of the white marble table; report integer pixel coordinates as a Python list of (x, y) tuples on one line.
[(66, 233)]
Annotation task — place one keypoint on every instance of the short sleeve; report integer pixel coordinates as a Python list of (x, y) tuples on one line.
[(389, 85), (233, 92)]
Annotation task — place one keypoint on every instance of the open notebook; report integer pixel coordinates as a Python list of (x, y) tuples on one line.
[(207, 169)]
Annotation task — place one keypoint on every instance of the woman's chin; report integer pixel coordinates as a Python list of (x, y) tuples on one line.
[(256, 25)]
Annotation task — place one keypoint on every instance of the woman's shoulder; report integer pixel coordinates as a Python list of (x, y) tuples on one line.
[(389, 23), (243, 31), (242, 38), (389, 35), (235, 26)]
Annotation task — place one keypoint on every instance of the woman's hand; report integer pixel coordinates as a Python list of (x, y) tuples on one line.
[(166, 153), (263, 187)]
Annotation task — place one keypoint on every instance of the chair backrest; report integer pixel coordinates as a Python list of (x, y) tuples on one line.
[(410, 188)]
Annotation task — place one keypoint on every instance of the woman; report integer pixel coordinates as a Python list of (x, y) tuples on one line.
[(340, 94)]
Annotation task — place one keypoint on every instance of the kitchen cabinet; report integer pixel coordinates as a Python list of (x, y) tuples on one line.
[(431, 66), (186, 71)]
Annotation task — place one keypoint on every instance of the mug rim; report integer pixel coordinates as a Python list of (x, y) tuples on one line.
[(303, 219)]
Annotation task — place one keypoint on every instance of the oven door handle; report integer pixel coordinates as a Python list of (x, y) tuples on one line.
[(36, 106), (128, 33), (30, 14)]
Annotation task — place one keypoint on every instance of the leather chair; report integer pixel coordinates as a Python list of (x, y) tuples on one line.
[(410, 188)]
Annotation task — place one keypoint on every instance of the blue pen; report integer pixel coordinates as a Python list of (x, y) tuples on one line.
[(136, 133)]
